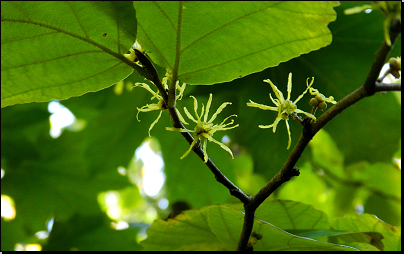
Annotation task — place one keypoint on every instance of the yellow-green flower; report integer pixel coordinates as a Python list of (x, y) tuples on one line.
[(283, 107), (160, 105), (205, 129)]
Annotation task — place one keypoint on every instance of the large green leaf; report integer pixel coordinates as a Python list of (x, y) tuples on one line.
[(212, 42), (56, 50), (219, 228), (187, 231)]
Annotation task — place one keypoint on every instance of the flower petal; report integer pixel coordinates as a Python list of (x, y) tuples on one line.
[(178, 129), (189, 115), (220, 144), (232, 121), (261, 106), (276, 123), (155, 121), (195, 107), (189, 149), (289, 86), (218, 111), (180, 117), (205, 118), (147, 87), (307, 114), (181, 89), (275, 101), (290, 139), (205, 153), (277, 92)]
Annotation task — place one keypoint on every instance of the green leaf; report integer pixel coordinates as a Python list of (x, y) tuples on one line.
[(219, 227), (187, 231), (56, 50), (212, 42), (227, 222), (369, 223)]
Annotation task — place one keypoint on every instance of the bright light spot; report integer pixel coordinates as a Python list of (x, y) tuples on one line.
[(225, 139), (7, 208), (33, 247), (27, 247), (49, 224), (359, 209), (61, 117), (2, 173), (42, 234), (114, 212), (162, 203), (121, 225), (152, 171), (398, 162), (122, 171), (111, 199), (368, 10)]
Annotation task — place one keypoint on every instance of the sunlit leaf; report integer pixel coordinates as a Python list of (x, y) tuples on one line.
[(56, 50), (212, 42), (187, 231), (218, 228), (227, 222)]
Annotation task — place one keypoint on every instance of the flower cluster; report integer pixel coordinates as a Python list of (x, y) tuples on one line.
[(205, 129), (286, 107), (160, 105)]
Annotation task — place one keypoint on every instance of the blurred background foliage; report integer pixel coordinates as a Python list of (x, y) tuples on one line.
[(88, 190)]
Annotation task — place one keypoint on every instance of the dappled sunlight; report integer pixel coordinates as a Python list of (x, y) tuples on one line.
[(62, 118), (28, 247), (7, 208), (153, 178)]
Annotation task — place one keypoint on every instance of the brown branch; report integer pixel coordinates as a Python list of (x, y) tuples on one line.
[(381, 87)]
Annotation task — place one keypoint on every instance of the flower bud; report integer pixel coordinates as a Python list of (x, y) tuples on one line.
[(395, 63), (314, 102), (322, 105)]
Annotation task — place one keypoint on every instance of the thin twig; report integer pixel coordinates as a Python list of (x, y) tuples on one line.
[(381, 87)]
